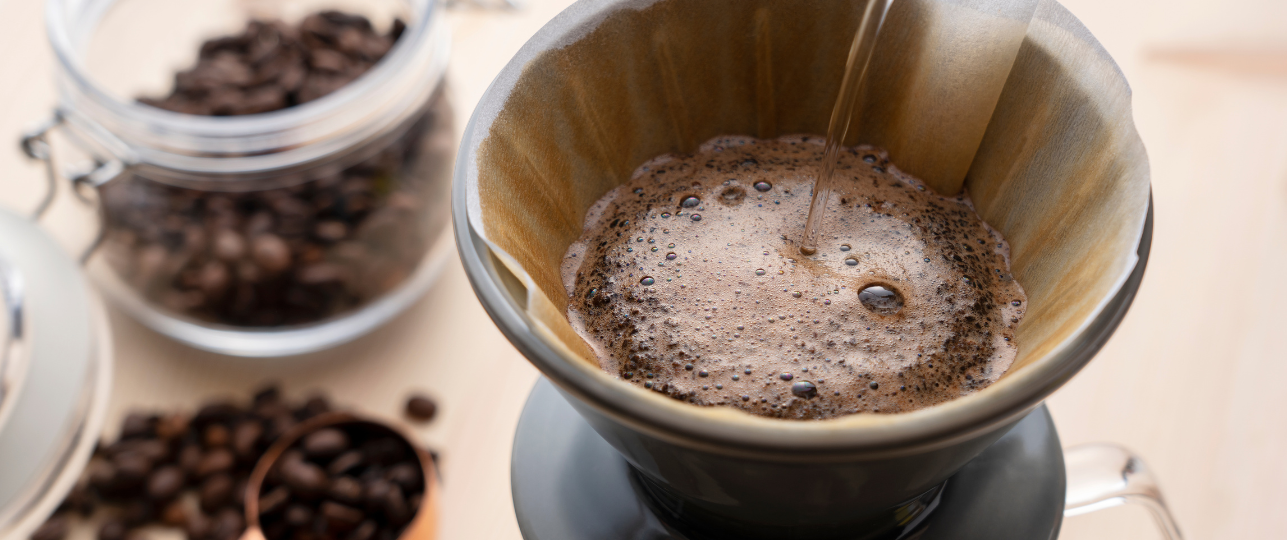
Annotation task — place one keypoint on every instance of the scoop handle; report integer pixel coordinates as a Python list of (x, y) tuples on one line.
[(1103, 475)]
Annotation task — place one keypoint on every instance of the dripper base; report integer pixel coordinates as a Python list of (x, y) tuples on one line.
[(570, 484)]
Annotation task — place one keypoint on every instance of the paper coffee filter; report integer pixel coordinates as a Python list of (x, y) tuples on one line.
[(1060, 171)]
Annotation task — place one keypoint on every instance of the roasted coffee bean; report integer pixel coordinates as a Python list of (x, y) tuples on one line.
[(298, 515), (324, 444), (421, 408), (172, 426), (216, 492), (347, 490), (174, 514), (364, 531), (55, 528), (199, 526), (165, 483), (216, 436), (315, 405), (406, 476), (345, 462), (245, 438), (274, 500), (384, 451), (137, 426), (222, 412), (228, 525), (101, 474), (132, 468), (79, 499), (395, 506), (219, 460), (112, 529), (269, 394), (190, 459), (340, 518), (136, 512), (305, 479)]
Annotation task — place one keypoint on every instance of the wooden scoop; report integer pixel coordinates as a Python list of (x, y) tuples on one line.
[(423, 526)]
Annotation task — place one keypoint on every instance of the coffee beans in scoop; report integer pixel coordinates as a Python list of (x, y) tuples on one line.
[(350, 482), (188, 471)]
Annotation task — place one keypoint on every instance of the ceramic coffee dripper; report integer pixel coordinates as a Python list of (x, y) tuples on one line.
[(607, 84)]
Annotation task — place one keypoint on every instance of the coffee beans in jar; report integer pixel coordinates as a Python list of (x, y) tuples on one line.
[(294, 249)]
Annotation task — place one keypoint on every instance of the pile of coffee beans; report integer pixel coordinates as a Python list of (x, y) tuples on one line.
[(351, 482), (302, 246), (189, 471), (272, 66)]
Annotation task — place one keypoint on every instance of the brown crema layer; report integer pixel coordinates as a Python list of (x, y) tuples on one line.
[(688, 281)]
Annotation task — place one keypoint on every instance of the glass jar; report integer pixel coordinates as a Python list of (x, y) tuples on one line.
[(264, 234)]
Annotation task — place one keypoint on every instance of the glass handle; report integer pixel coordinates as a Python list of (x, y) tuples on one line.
[(35, 144), (1104, 475)]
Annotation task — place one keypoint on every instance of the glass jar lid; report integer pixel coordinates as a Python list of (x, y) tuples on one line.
[(55, 373)]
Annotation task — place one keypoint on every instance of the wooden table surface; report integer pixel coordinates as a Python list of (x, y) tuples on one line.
[(1192, 380)]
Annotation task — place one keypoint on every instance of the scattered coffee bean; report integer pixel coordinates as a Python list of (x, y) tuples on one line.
[(421, 408), (165, 482), (112, 529), (53, 529), (215, 492), (157, 474)]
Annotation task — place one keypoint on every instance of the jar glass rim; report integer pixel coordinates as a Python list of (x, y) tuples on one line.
[(137, 133)]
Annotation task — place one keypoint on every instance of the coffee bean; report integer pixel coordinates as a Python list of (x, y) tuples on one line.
[(132, 468), (298, 515), (325, 444), (228, 246), (172, 426), (219, 460), (137, 512), (271, 253), (228, 525), (421, 408), (216, 436), (347, 490), (340, 518), (245, 438), (394, 506), (364, 531), (406, 476), (274, 500), (137, 426), (221, 412), (314, 406), (305, 479), (345, 462), (384, 451), (198, 526), (165, 483), (55, 528), (190, 459), (216, 492), (112, 529), (101, 474), (175, 514)]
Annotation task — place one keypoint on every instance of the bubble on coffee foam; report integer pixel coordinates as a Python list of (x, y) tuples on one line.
[(739, 273)]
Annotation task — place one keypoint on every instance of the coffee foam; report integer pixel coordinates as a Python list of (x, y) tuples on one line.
[(684, 300)]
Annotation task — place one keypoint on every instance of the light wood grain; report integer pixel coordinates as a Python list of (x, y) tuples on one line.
[(1192, 380)]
